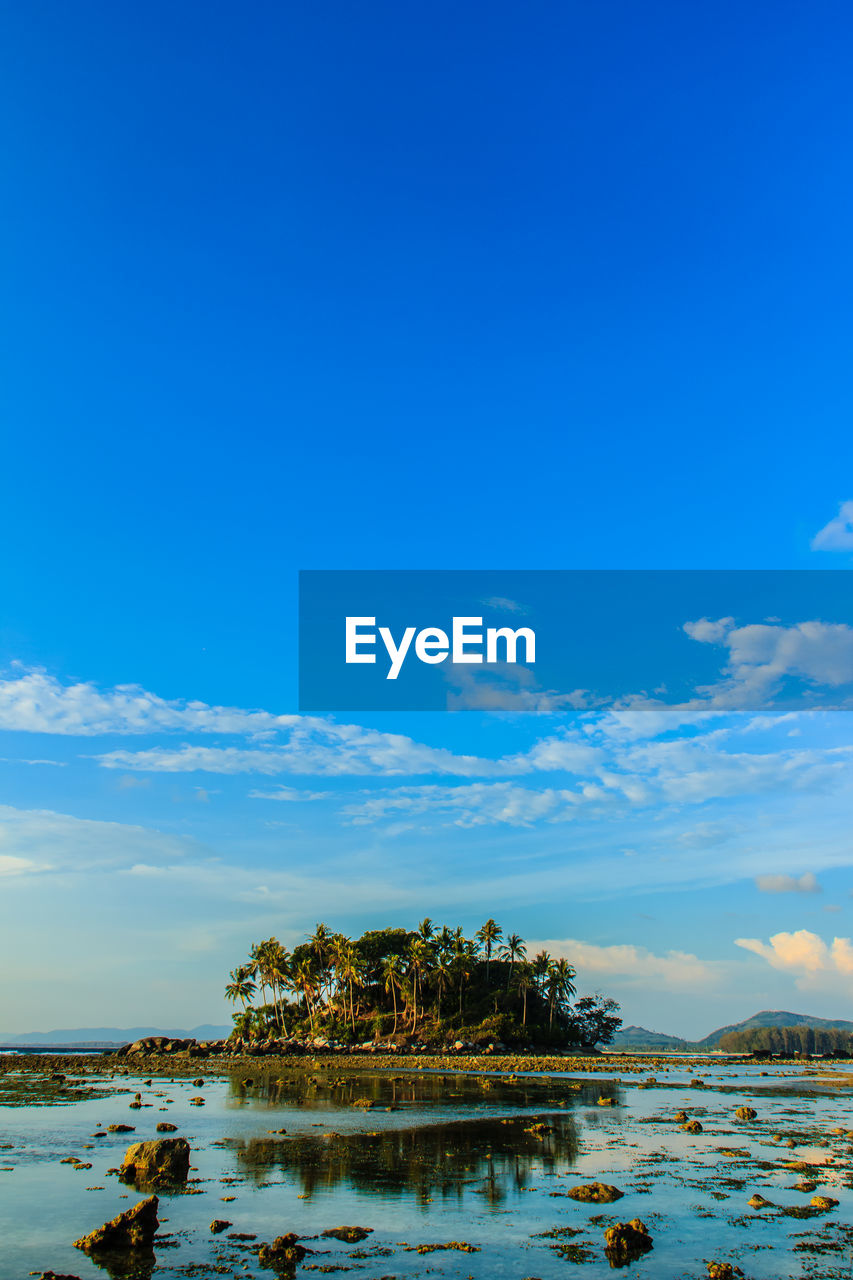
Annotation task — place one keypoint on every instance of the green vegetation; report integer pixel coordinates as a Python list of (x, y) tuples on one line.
[(788, 1040), (430, 985)]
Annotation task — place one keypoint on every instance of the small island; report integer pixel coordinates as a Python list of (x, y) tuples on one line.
[(431, 986)]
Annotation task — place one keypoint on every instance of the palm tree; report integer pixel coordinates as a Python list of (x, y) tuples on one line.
[(426, 929), (241, 987), (489, 936), (418, 961), (392, 977), (541, 965), (559, 986), (512, 950), (304, 979), (351, 972), (280, 975), (464, 955), (443, 974), (523, 983)]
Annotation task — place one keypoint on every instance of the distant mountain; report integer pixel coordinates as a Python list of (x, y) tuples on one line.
[(775, 1018), (111, 1035), (640, 1038)]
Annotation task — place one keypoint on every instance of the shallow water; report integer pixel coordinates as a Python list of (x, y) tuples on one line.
[(438, 1158)]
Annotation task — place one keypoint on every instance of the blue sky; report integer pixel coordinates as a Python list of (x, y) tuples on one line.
[(384, 288)]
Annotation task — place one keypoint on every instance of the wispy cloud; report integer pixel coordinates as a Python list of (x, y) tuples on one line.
[(837, 535), (806, 883), (674, 970)]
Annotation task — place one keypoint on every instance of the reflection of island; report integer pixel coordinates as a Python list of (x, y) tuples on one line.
[(489, 1157), (432, 1089)]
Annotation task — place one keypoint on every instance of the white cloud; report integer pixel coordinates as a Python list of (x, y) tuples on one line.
[(10, 866), (837, 535), (473, 805), (35, 702), (806, 883), (804, 954), (39, 840)]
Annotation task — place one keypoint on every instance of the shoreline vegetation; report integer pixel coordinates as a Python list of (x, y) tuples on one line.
[(426, 987)]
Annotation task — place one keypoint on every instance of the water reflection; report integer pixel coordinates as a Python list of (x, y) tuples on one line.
[(488, 1157)]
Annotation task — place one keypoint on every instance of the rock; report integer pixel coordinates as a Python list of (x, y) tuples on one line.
[(54, 1275), (745, 1113), (120, 1128), (604, 1101), (723, 1271), (161, 1162), (350, 1235), (198, 1084), (595, 1193), (758, 1202), (219, 1224), (692, 1126), (165, 1127), (823, 1202), (627, 1241), (681, 1117), (283, 1252), (130, 1230)]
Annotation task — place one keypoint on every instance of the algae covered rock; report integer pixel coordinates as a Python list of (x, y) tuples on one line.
[(745, 1113), (692, 1126), (595, 1193), (627, 1241), (159, 1163), (133, 1229), (823, 1202), (350, 1235), (723, 1271), (758, 1202), (283, 1253)]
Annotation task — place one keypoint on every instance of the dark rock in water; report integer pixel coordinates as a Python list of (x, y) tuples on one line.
[(198, 1084), (692, 1126), (350, 1235), (723, 1271), (54, 1275), (283, 1253), (627, 1241), (595, 1193), (161, 1162), (758, 1202), (681, 1117), (165, 1127), (219, 1224), (130, 1230), (745, 1113), (604, 1101), (823, 1202), (120, 1128)]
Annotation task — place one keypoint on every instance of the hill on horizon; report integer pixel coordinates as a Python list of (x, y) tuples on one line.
[(111, 1035), (641, 1038), (776, 1018), (634, 1037)]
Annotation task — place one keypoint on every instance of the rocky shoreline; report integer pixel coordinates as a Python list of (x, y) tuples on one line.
[(159, 1056)]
